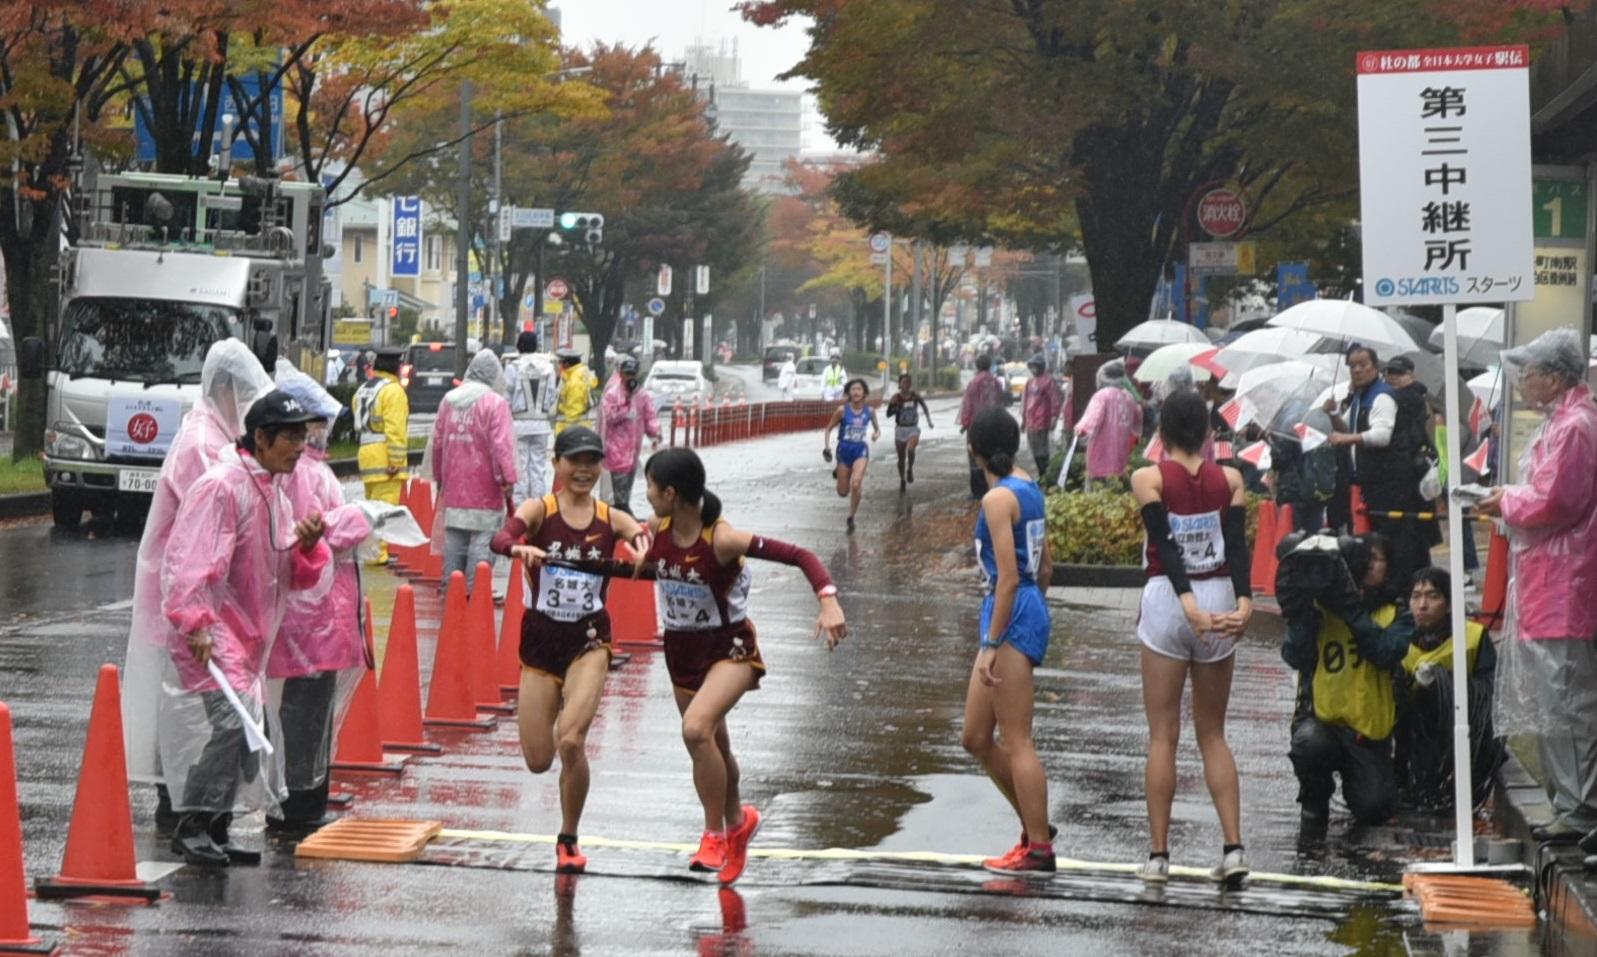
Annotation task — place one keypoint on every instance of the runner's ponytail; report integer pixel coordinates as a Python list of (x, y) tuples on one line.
[(709, 508), (683, 470), (994, 438)]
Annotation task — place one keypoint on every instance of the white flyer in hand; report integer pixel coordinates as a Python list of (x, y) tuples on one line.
[(253, 734)]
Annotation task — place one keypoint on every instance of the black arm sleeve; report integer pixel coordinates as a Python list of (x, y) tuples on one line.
[(1237, 555), (1157, 521)]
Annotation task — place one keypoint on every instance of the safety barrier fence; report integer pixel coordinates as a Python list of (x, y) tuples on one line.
[(701, 425)]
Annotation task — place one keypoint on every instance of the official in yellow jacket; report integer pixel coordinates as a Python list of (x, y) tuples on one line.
[(1346, 706), (577, 387), (1424, 734), (382, 424)]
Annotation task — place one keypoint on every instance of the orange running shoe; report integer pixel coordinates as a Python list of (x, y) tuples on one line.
[(737, 844), (569, 859), (712, 852), (1022, 861)]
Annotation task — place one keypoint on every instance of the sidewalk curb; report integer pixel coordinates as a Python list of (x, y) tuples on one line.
[(1565, 894), (1099, 576)]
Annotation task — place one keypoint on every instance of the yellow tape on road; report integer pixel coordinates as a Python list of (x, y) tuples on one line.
[(1318, 882)]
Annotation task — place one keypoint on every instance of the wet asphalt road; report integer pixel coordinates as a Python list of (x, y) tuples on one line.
[(854, 749)]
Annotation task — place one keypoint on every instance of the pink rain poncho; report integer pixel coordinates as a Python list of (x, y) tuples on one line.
[(230, 565), (1113, 420), (472, 452), (230, 381), (625, 418)]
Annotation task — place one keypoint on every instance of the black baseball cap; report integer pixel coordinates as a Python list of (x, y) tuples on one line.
[(577, 440), (1401, 364), (277, 408)]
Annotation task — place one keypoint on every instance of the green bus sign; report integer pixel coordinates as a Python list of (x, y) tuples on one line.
[(1560, 208)]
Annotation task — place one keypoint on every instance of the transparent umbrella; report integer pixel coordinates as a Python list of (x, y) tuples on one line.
[(1480, 336), (1349, 322), (1267, 390), (1148, 336), (1166, 359), (1263, 347)]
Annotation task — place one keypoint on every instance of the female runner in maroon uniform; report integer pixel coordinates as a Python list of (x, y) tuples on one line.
[(702, 588), (565, 634)]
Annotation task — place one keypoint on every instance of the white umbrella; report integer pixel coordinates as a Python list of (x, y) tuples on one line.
[(1265, 391), (1263, 347), (1489, 386), (1349, 322), (1480, 336), (1418, 329), (1150, 335), (1167, 359)]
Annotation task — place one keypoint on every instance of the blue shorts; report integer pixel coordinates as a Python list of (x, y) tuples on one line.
[(850, 452), (1029, 624)]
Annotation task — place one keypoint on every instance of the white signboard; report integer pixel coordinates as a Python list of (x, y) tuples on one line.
[(141, 427), (536, 218), (1084, 315), (1445, 176)]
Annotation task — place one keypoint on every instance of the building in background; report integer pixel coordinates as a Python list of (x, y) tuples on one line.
[(769, 124)]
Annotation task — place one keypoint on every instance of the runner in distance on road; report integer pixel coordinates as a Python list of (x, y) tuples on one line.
[(853, 451), (904, 410)]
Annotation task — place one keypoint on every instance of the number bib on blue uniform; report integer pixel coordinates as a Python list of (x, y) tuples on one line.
[(566, 594)]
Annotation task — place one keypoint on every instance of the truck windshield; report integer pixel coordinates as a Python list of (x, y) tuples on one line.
[(145, 340)]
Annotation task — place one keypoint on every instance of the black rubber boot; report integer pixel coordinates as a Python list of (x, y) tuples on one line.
[(192, 840)]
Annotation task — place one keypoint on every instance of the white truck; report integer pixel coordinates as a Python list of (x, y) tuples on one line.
[(164, 267)]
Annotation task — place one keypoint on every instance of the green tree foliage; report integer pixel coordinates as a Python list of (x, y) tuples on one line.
[(1051, 123)]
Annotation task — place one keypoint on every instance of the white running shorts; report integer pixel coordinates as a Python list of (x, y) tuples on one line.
[(1162, 625)]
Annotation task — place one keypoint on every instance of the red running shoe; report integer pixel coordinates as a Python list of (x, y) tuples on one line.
[(737, 844), (569, 859), (1022, 861), (711, 854)]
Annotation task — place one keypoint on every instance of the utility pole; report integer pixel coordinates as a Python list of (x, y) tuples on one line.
[(916, 290), (463, 233), (493, 275)]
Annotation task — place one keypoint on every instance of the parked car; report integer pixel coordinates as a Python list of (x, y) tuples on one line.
[(427, 372), (672, 380), (772, 364), (807, 384)]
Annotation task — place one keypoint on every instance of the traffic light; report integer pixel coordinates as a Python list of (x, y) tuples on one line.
[(583, 227)]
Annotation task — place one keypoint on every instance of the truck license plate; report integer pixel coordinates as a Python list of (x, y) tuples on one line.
[(137, 480)]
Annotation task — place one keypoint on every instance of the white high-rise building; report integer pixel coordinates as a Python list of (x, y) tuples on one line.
[(769, 124)]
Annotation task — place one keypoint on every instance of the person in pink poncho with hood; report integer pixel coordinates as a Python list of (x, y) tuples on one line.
[(472, 457), (231, 379), (320, 654), (626, 415), (235, 554), (1112, 422), (1547, 666)]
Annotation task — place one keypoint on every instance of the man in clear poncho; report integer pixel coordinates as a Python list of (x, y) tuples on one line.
[(230, 381), (1547, 672), (472, 458), (1111, 423), (320, 653), (235, 554)]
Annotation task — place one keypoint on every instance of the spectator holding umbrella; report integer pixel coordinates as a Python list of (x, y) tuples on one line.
[(1547, 674)]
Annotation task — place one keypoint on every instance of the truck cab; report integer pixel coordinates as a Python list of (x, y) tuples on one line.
[(165, 267)]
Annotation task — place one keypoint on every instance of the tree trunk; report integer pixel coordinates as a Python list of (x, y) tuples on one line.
[(30, 259)]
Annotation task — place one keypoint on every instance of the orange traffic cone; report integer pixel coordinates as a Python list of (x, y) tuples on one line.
[(1361, 514), (399, 690), (480, 632), (1494, 592), (99, 856), (15, 937), (450, 701), (509, 657), (633, 619), (1262, 573), (360, 743)]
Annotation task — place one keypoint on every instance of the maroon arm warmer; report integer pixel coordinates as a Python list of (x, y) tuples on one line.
[(771, 550), (509, 534)]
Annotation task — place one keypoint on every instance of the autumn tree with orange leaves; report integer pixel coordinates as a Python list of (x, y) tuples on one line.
[(1060, 124)]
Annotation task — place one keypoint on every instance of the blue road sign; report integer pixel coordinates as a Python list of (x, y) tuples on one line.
[(407, 236), (656, 306)]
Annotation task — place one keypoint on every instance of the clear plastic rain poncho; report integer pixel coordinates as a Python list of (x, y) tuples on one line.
[(472, 452), (322, 638), (230, 381), (230, 566), (1547, 674)]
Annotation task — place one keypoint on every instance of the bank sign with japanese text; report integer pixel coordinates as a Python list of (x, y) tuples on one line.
[(1445, 176), (407, 236)]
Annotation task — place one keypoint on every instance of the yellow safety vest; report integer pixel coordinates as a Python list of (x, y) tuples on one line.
[(1349, 690), (382, 420), (1442, 654)]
